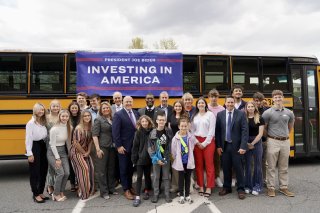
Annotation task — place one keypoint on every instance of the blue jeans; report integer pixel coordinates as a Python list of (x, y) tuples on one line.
[(254, 180)]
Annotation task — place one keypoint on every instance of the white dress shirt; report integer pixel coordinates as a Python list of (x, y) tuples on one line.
[(34, 132), (204, 126)]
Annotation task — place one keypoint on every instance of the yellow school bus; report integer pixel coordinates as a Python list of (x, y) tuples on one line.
[(27, 77)]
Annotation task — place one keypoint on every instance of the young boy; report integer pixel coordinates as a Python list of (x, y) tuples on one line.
[(159, 150), (182, 152)]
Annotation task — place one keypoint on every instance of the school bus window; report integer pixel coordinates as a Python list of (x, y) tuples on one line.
[(246, 73), (190, 74), (275, 74), (47, 73), (72, 74), (215, 74), (13, 73)]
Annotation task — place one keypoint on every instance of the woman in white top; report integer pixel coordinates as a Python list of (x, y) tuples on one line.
[(36, 134), (60, 135), (52, 119), (203, 127)]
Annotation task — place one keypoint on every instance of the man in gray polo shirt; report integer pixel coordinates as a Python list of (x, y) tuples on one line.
[(279, 122)]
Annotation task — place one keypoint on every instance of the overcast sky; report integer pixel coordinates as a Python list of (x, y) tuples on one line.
[(267, 26)]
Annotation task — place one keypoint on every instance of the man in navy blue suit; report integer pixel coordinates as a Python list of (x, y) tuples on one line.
[(231, 140), (123, 130)]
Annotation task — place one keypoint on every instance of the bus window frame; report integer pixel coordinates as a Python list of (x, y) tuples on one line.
[(18, 92), (226, 75), (32, 91)]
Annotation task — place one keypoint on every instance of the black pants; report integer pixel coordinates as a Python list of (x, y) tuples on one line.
[(146, 171), (38, 169), (184, 181)]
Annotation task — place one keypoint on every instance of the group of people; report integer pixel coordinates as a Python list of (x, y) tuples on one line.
[(100, 145)]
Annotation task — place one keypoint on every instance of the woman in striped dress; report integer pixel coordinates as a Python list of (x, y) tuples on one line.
[(80, 158)]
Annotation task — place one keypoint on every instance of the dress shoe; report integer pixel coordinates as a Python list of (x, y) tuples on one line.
[(133, 192), (128, 195), (224, 192), (37, 200), (154, 199), (241, 195), (271, 192), (286, 192)]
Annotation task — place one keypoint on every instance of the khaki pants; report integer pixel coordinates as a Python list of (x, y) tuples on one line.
[(278, 152)]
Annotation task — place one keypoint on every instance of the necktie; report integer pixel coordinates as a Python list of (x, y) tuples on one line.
[(131, 118), (228, 136)]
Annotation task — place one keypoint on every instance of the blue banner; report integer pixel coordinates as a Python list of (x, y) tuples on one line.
[(134, 74)]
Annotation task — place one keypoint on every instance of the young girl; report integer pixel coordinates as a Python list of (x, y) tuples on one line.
[(254, 183), (141, 158), (52, 119), (60, 135), (36, 134), (79, 154), (182, 152)]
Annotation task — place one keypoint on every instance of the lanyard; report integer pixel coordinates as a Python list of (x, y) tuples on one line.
[(184, 145)]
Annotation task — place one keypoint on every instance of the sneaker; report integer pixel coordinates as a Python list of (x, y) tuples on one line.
[(247, 191), (219, 182), (136, 202), (154, 199), (271, 192), (146, 195), (255, 193), (233, 183), (106, 197), (181, 200), (286, 192), (168, 199), (189, 199)]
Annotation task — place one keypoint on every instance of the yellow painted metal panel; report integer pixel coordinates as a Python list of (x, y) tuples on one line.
[(10, 119), (12, 142)]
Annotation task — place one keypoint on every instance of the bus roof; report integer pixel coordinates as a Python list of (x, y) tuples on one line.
[(187, 52)]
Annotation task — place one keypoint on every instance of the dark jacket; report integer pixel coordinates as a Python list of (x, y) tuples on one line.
[(154, 146), (139, 153)]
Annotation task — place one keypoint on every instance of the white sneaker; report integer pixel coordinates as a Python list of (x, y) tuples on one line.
[(247, 191), (255, 193), (219, 182), (181, 200), (189, 200), (233, 184)]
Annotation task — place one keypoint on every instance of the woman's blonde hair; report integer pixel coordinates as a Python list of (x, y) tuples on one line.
[(256, 116), (109, 105), (53, 102), (150, 122), (36, 108)]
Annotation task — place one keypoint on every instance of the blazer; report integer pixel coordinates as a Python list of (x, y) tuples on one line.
[(103, 130), (123, 129), (170, 109), (239, 130), (142, 111), (113, 109)]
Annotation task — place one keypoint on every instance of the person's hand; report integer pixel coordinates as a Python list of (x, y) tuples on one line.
[(219, 150), (58, 164), (122, 150), (242, 151), (30, 159), (200, 146), (250, 146), (160, 163), (100, 153), (86, 154)]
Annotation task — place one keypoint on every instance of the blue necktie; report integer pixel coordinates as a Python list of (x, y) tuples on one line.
[(229, 128), (131, 118)]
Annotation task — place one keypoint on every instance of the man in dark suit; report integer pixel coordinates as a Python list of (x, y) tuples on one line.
[(123, 130), (164, 97), (149, 110), (231, 140)]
